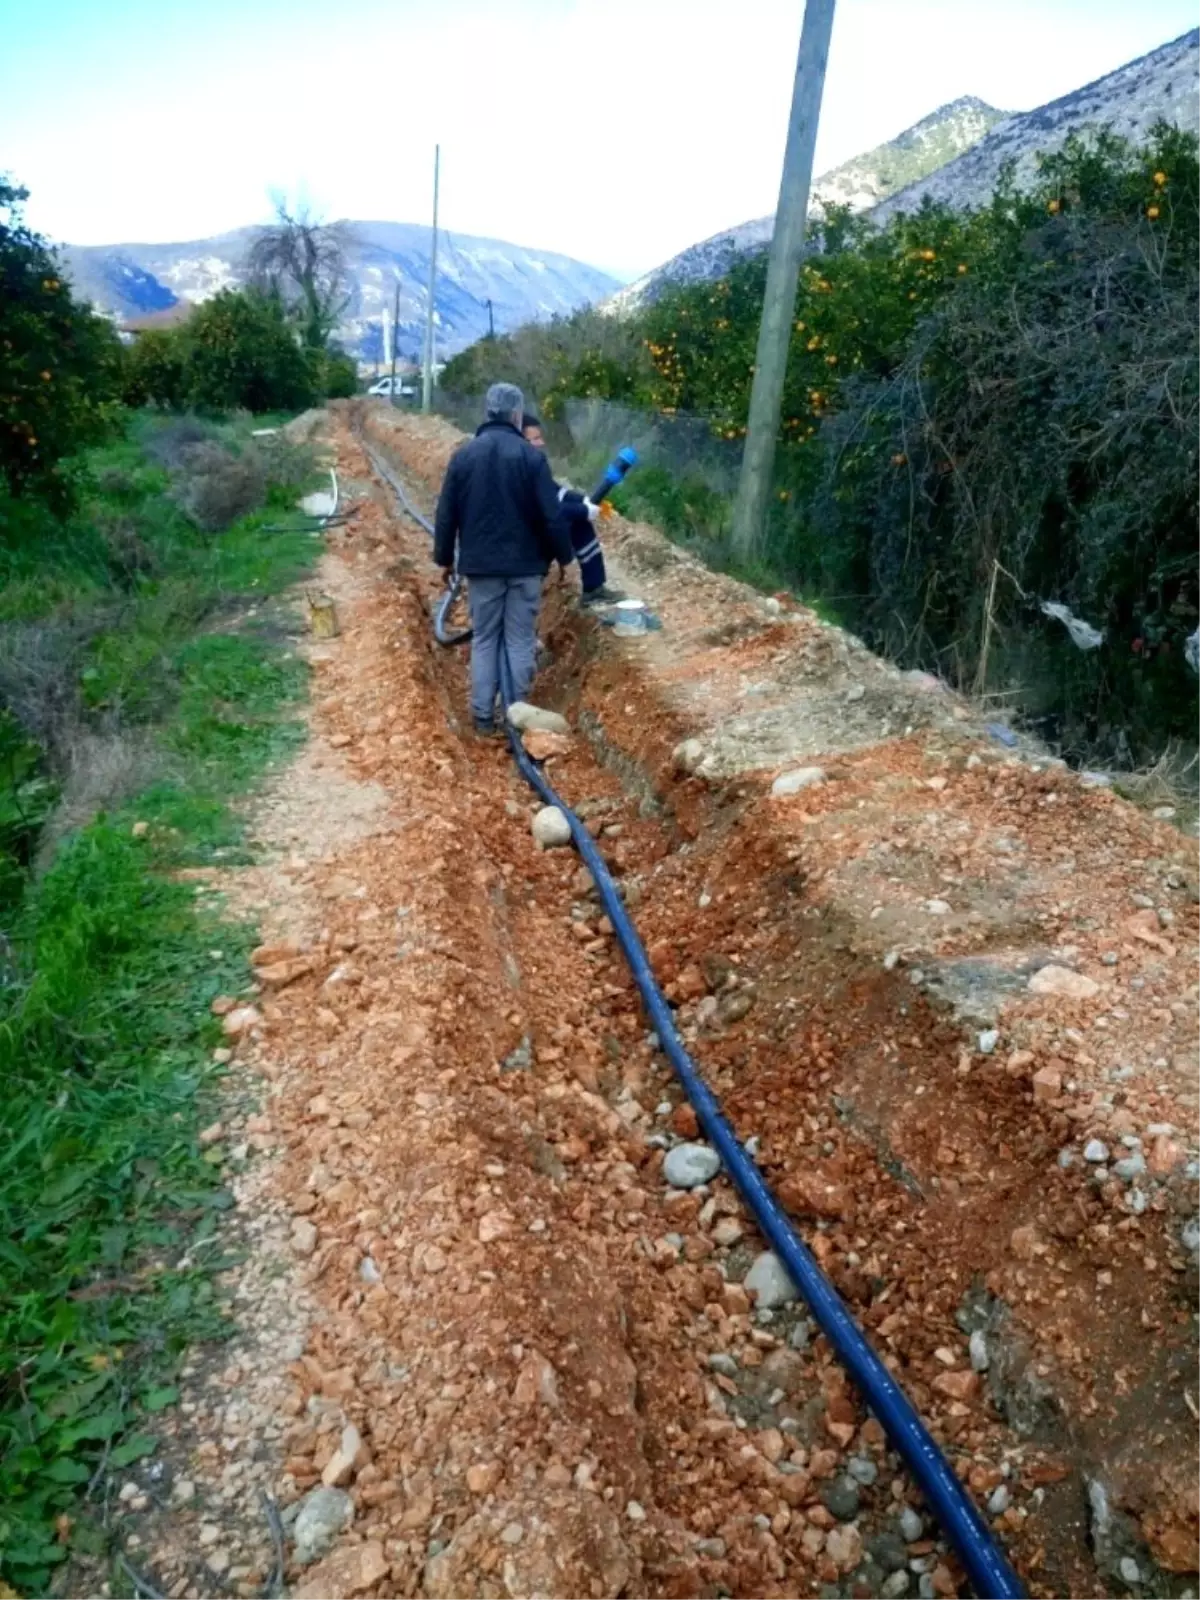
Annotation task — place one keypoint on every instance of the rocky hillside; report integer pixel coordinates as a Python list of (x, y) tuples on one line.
[(859, 183), (128, 280), (1163, 85)]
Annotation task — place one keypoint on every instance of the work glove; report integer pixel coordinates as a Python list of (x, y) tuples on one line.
[(593, 510)]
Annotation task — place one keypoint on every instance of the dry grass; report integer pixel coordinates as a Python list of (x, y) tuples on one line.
[(102, 768), (214, 487)]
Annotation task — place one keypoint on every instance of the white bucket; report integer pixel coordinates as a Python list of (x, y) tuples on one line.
[(630, 620)]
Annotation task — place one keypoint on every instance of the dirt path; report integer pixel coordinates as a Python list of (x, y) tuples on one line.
[(514, 1360)]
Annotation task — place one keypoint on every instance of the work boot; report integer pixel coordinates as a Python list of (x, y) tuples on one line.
[(603, 596), (485, 728)]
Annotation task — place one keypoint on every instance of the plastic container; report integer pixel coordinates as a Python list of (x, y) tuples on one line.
[(322, 618), (630, 620)]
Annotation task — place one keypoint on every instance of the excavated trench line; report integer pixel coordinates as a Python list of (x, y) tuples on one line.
[(594, 675), (987, 1568)]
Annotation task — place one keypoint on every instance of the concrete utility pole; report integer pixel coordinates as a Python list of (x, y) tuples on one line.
[(491, 322), (395, 342), (427, 386), (783, 268)]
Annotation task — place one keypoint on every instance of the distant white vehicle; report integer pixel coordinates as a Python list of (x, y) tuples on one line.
[(384, 386)]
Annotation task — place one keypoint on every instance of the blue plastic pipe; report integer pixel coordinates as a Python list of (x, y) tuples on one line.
[(990, 1574)]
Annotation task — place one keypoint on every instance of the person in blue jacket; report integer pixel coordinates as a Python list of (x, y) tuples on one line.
[(580, 516)]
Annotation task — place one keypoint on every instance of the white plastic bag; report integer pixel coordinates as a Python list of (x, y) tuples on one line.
[(1082, 633)]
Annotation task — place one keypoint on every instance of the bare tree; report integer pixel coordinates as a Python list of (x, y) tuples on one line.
[(304, 262)]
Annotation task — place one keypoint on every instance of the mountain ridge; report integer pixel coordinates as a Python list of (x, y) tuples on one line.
[(1162, 84), (860, 183), (1165, 82), (127, 280)]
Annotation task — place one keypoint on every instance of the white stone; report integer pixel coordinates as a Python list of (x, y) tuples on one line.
[(801, 778), (769, 1279), (686, 757), (550, 828), (304, 1236), (690, 1165), (527, 718), (1062, 981), (323, 1514), (979, 1351)]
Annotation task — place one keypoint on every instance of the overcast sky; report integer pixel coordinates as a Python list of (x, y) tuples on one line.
[(615, 131)]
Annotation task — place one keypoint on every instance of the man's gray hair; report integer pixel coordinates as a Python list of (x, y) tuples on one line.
[(506, 400)]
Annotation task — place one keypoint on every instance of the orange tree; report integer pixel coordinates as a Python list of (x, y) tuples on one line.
[(859, 297), (240, 353), (1037, 441), (60, 364)]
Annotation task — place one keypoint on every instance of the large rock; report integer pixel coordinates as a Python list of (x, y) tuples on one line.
[(800, 778), (1063, 982), (350, 1571), (769, 1279), (690, 1165), (241, 1020), (550, 828), (686, 757), (323, 1515), (339, 1469), (551, 1542), (526, 719), (542, 746)]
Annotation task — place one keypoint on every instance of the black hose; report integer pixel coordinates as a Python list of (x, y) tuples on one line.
[(446, 604)]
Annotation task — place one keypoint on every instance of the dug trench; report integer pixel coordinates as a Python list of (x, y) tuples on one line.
[(936, 1166), (509, 1358)]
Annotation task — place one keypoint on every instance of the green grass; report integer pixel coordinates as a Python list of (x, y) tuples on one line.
[(109, 1207)]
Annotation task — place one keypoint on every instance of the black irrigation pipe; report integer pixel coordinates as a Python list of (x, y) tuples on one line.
[(988, 1569)]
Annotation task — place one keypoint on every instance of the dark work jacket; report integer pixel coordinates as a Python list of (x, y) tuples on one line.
[(583, 540), (499, 507)]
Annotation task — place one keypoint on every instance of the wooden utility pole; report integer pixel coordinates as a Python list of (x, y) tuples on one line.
[(783, 268), (427, 385), (395, 342)]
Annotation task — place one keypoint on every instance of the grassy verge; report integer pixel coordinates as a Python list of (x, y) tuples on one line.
[(176, 673)]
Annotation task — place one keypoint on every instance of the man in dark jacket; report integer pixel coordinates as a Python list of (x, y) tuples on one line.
[(580, 515), (499, 510)]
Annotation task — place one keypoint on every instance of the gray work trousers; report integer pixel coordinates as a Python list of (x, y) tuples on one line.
[(504, 615)]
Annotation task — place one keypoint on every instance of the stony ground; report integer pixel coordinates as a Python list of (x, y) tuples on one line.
[(491, 1342)]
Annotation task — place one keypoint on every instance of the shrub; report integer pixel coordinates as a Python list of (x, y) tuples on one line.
[(214, 485), (156, 370), (588, 354), (1036, 442), (239, 353), (61, 363), (168, 443), (334, 374)]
